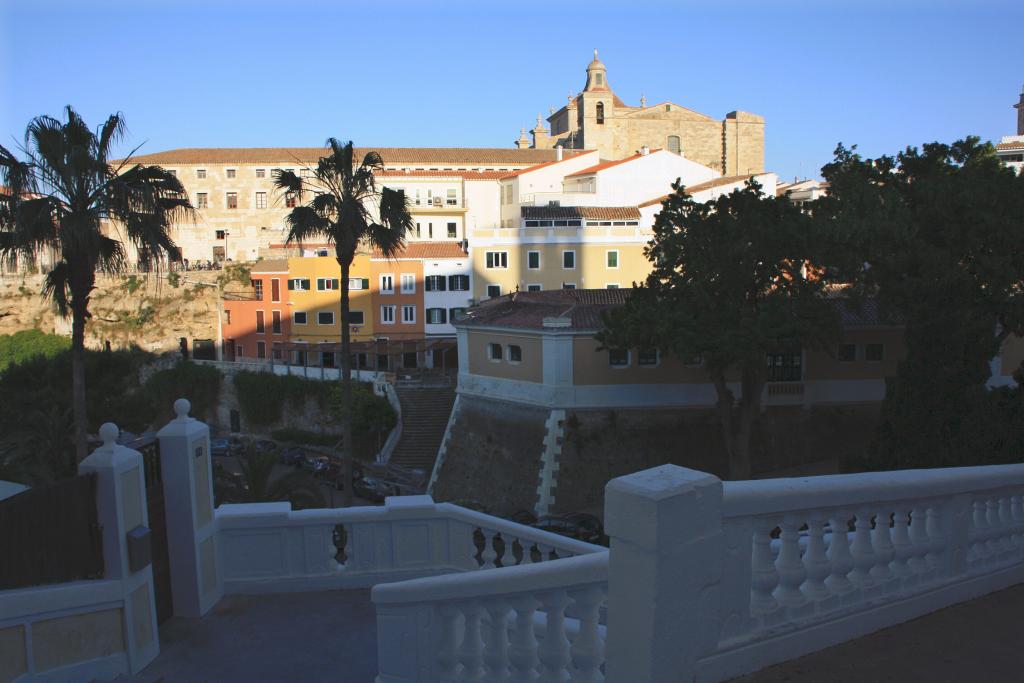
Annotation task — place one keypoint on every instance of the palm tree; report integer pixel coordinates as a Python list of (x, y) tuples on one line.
[(347, 209), (256, 483), (58, 199)]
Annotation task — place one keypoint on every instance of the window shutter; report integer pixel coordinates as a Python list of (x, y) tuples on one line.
[(291, 285), (335, 283), (305, 284), (366, 283)]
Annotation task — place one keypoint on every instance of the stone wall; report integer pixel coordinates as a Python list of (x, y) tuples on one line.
[(493, 456)]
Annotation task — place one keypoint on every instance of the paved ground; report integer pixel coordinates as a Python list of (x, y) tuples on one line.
[(323, 636), (977, 641)]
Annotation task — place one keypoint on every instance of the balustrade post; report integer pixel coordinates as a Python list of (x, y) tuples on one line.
[(863, 552), (839, 555), (903, 549), (523, 649), (816, 563), (949, 531), (665, 568)]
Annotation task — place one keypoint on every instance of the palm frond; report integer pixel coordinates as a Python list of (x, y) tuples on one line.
[(57, 287), (305, 223), (288, 182), (112, 130)]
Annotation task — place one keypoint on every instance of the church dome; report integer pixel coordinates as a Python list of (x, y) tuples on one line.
[(595, 63)]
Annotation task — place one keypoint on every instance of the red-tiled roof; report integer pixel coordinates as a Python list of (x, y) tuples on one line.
[(608, 164), (528, 310), (1010, 145), (425, 250), (701, 187), (270, 266), (614, 213), (390, 155), (569, 154), (442, 173)]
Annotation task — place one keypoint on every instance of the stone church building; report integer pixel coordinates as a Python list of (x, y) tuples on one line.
[(598, 119)]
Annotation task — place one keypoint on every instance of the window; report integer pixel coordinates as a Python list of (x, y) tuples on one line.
[(230, 173), (408, 314), (382, 361), (355, 317), (289, 200), (387, 284), (451, 199), (515, 353), (493, 291), (568, 285), (874, 352), (437, 316), (847, 353), (612, 259), (497, 259), (458, 283), (647, 358), (618, 358), (277, 352), (261, 349), (232, 200), (257, 288), (612, 285), (275, 322), (534, 288), (261, 173), (298, 284), (387, 314), (261, 200), (533, 260), (275, 290), (325, 317), (220, 234), (452, 231), (408, 283), (673, 144), (201, 173), (455, 314), (325, 284), (784, 367), (569, 260), (358, 283), (600, 109), (227, 316), (434, 283), (494, 352), (239, 351), (201, 201), (299, 317), (430, 230), (260, 326), (598, 79)]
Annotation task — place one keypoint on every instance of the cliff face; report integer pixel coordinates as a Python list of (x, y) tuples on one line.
[(146, 310)]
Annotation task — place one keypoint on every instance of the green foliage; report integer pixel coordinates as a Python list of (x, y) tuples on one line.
[(305, 437), (200, 384), (262, 396), (131, 284), (173, 279), (728, 284), (370, 413), (940, 231), (257, 483), (26, 344)]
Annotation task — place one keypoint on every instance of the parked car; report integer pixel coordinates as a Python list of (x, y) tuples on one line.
[(316, 465), (581, 526), (225, 446), (294, 456), (373, 489), (265, 445)]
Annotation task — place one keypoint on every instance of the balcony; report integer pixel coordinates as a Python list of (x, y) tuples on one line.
[(437, 205)]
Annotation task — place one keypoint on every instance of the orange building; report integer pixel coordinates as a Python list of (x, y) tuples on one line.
[(257, 323)]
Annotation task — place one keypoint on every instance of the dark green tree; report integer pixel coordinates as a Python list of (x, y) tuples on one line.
[(729, 285), (344, 206), (60, 196), (256, 482), (936, 233)]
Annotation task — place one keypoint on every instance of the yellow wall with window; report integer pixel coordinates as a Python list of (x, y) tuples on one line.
[(314, 301), (530, 367)]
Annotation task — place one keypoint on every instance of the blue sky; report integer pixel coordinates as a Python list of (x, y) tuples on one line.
[(216, 74)]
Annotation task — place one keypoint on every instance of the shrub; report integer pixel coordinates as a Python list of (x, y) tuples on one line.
[(200, 384), (262, 396), (304, 436), (26, 344)]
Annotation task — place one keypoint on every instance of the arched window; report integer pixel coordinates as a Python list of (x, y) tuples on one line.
[(600, 112), (598, 79), (673, 144)]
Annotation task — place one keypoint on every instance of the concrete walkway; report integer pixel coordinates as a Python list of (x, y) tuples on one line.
[(322, 636), (980, 640)]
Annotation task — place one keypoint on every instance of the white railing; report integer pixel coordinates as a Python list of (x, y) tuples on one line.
[(280, 368), (267, 547), (396, 432)]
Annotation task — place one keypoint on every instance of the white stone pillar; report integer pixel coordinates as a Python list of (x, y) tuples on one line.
[(121, 508), (185, 462), (665, 569)]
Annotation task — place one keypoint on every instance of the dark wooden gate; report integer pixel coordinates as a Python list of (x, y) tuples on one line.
[(149, 446)]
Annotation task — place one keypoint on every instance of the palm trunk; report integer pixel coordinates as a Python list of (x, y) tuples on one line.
[(78, 405), (347, 450)]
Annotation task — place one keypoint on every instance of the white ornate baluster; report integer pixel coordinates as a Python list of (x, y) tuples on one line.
[(763, 577), (587, 649), (545, 552), (523, 650), (473, 550), (1005, 528), (496, 648), (816, 564), (936, 539), (527, 552), (510, 552), (471, 651), (489, 554), (919, 540), (1017, 514), (903, 549), (978, 549), (862, 551), (348, 546), (839, 554), (554, 649), (790, 568), (881, 541), (447, 650)]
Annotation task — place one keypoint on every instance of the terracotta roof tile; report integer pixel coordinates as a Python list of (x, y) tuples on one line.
[(614, 213), (569, 154), (1010, 145), (425, 250), (701, 187), (443, 173), (608, 164), (270, 266), (390, 155), (527, 310)]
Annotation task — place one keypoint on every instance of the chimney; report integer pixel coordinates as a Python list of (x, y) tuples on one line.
[(645, 150), (558, 153)]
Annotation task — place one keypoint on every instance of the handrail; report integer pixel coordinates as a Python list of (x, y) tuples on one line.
[(773, 496), (524, 578), (514, 529)]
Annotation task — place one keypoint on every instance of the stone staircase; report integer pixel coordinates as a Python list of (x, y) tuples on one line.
[(425, 412)]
